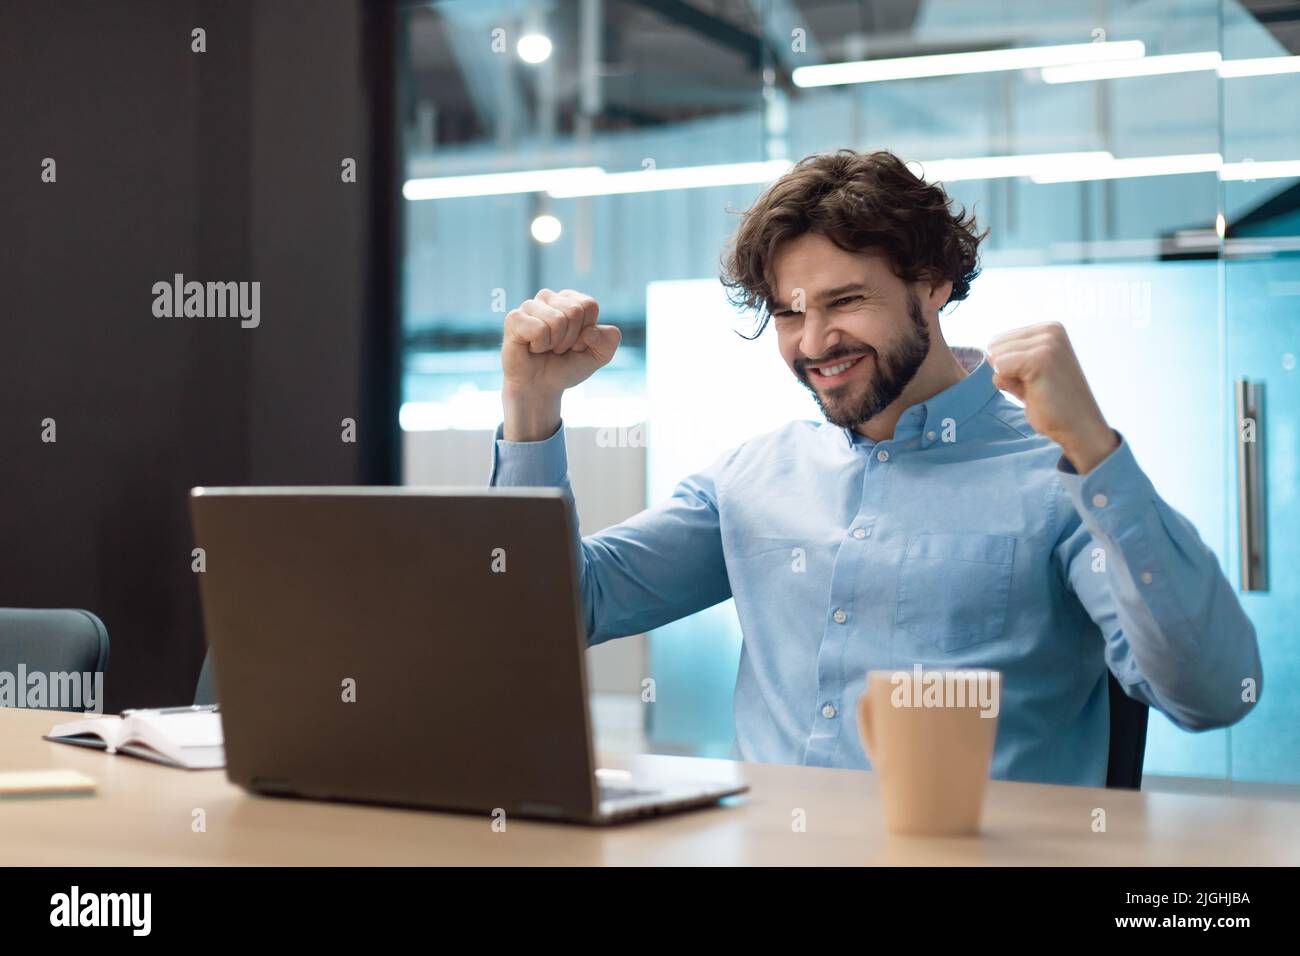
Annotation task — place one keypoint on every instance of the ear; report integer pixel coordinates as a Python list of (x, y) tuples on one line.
[(938, 294)]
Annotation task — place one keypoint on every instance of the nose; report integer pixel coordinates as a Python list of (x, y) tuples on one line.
[(818, 337)]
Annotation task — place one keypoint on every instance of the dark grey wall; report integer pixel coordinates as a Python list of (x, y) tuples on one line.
[(223, 165)]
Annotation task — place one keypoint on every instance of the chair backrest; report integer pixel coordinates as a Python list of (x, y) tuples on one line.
[(1128, 738), (59, 644)]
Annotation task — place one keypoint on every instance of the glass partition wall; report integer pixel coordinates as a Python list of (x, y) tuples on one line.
[(1136, 163), (1259, 309)]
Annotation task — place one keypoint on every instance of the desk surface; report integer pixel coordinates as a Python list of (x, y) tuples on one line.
[(143, 813)]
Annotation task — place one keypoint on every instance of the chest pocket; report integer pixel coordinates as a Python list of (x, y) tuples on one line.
[(953, 589)]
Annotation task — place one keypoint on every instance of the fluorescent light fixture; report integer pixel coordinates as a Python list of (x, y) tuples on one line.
[(1132, 167), (1173, 63), (1146, 66), (574, 182), (1259, 66), (472, 408), (956, 64), (1261, 169), (577, 181), (496, 184), (679, 177), (1082, 167), (534, 47), (1001, 167)]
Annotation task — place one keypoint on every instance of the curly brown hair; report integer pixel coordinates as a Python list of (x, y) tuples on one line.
[(862, 202)]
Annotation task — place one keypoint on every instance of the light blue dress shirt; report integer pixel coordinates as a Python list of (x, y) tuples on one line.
[(965, 541)]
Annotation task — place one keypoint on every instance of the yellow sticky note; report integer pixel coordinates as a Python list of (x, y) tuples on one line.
[(45, 783)]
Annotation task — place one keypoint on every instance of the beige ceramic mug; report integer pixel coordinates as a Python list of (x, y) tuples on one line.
[(929, 735)]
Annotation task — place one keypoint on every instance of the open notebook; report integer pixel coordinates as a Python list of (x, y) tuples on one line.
[(187, 737)]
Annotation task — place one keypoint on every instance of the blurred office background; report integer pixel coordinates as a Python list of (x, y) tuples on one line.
[(217, 160), (1136, 160)]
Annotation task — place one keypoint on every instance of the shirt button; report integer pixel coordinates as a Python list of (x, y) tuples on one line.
[(930, 435), (859, 533), (882, 455), (828, 711), (1146, 577), (840, 617), (1099, 500)]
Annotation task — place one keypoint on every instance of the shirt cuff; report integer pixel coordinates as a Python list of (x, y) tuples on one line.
[(1113, 494), (527, 464)]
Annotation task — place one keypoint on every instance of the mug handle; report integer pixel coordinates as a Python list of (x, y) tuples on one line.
[(864, 723)]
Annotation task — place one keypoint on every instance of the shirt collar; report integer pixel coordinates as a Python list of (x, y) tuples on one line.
[(949, 408)]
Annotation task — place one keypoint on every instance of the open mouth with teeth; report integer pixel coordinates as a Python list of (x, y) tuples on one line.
[(833, 373)]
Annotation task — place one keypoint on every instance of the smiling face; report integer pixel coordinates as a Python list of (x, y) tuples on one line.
[(862, 334)]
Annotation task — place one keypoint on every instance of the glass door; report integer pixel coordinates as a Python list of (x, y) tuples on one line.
[(1260, 305)]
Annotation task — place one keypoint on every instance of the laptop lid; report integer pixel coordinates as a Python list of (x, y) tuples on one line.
[(399, 645)]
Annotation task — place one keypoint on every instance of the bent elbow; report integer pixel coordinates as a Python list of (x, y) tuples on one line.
[(1221, 706)]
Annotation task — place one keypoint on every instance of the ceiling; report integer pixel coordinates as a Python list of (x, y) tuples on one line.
[(668, 61)]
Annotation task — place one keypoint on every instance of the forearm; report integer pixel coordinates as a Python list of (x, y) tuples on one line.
[(657, 566), (530, 416), (541, 463), (1188, 635), (1156, 589)]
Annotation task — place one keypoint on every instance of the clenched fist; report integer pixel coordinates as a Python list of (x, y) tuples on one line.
[(1037, 364), (551, 343)]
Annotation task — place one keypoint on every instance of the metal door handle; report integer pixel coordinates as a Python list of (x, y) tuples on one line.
[(1253, 530)]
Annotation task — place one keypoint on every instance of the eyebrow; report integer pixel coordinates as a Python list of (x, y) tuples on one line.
[(840, 290), (830, 294)]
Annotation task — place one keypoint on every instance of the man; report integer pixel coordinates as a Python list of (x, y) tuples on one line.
[(936, 521)]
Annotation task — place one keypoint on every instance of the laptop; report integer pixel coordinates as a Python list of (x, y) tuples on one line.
[(413, 647)]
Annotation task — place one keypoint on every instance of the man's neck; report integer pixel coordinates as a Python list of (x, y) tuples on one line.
[(939, 371)]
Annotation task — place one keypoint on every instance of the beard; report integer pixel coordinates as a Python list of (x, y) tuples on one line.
[(894, 370)]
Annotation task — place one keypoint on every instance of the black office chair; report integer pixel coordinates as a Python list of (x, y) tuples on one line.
[(53, 641), (1128, 738)]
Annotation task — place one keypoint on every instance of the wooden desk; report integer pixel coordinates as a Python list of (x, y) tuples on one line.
[(143, 812)]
